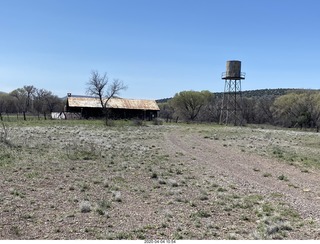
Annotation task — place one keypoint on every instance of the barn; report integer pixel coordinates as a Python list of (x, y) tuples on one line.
[(119, 108)]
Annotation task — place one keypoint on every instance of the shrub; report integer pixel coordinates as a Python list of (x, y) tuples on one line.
[(154, 175), (267, 175), (203, 214), (110, 123), (117, 196), (100, 211), (85, 207), (204, 198), (138, 122), (173, 183), (162, 182), (282, 177), (157, 122), (220, 189), (4, 133)]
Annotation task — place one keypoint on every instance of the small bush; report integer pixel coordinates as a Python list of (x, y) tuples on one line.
[(100, 211), (110, 123), (117, 196), (5, 157), (162, 182), (204, 198), (85, 207), (138, 122), (157, 122), (203, 214), (4, 133), (282, 177), (173, 183), (104, 204), (154, 175), (193, 204), (220, 189)]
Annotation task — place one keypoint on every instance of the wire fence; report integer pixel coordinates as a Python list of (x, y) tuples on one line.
[(12, 117)]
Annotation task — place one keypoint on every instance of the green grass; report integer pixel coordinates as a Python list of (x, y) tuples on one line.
[(292, 146), (202, 214), (5, 158), (12, 120)]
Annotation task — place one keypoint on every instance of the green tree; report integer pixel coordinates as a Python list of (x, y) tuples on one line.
[(314, 110), (188, 104), (298, 109)]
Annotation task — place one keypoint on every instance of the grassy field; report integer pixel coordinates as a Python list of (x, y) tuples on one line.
[(82, 180), (296, 147)]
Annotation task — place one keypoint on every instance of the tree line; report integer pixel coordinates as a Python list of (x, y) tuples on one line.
[(288, 108), (30, 100), (295, 108)]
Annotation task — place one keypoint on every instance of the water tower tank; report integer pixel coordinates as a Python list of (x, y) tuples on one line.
[(233, 70)]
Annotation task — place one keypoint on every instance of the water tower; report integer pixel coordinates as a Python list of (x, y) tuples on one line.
[(231, 107)]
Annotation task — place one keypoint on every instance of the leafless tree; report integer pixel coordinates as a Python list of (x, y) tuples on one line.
[(30, 90), (24, 99), (45, 101), (100, 87), (2, 104)]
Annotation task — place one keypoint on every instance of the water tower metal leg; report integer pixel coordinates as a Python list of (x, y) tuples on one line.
[(231, 108)]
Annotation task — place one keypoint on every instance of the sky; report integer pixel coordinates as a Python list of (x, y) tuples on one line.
[(158, 47)]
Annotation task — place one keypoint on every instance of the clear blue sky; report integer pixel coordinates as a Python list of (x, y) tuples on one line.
[(158, 47)]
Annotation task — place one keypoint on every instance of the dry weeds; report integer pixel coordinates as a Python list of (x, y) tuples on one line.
[(69, 181)]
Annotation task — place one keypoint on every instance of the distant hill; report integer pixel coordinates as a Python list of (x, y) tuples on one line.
[(268, 92), (163, 100), (264, 92), (255, 93)]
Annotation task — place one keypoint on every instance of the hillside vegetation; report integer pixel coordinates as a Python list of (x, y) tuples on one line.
[(280, 107), (254, 93)]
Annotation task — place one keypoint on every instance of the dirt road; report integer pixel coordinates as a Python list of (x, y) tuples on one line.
[(250, 173)]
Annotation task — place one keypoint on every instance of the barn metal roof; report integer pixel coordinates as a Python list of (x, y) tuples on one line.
[(120, 103)]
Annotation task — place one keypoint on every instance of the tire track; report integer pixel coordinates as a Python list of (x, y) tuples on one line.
[(236, 167)]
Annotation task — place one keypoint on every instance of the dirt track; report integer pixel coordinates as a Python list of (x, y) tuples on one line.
[(232, 166)]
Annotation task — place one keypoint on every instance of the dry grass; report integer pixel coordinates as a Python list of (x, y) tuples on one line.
[(64, 180)]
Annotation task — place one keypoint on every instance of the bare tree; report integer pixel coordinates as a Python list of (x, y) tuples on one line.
[(99, 87), (39, 105), (45, 101), (20, 101), (30, 90), (24, 99), (3, 98)]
